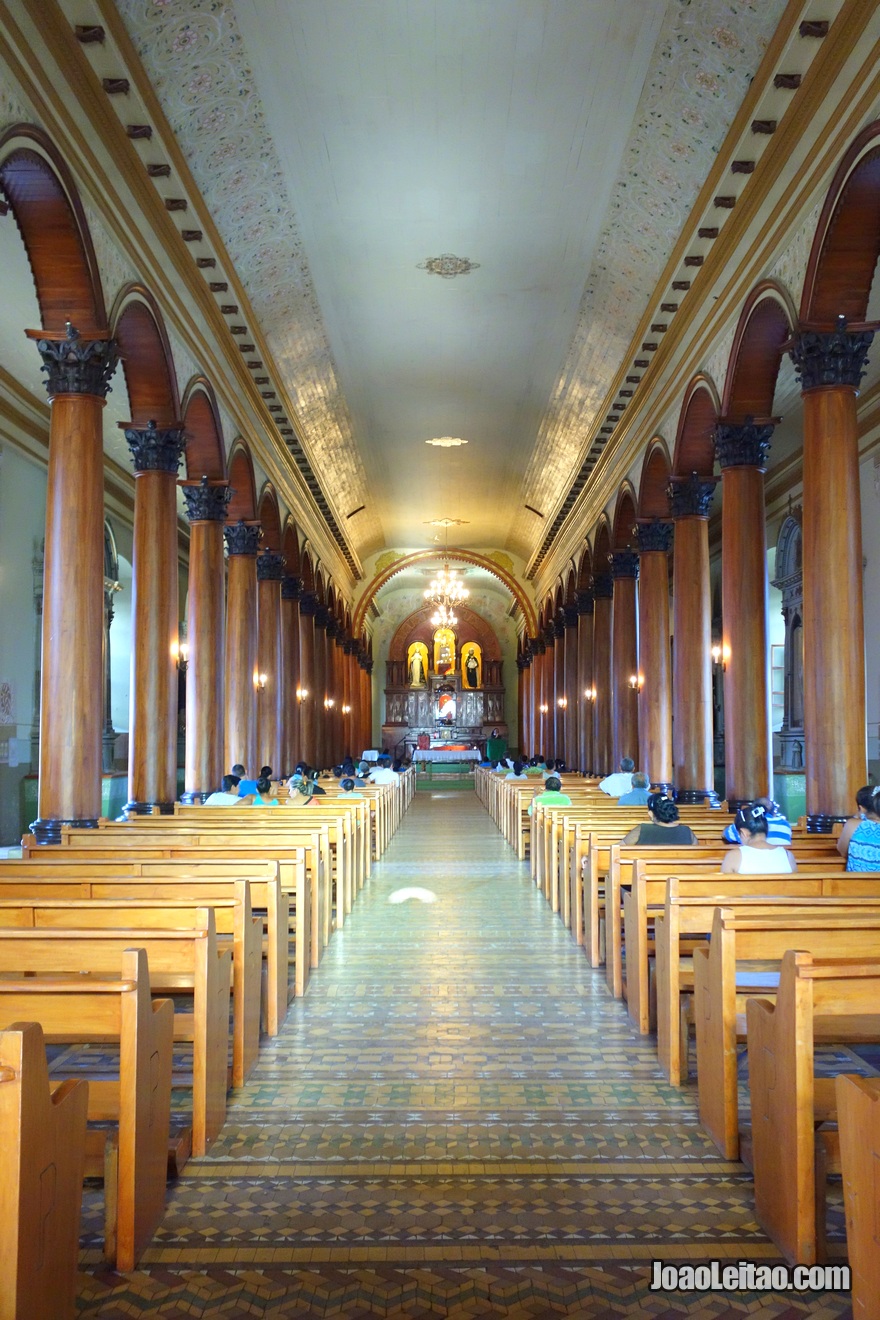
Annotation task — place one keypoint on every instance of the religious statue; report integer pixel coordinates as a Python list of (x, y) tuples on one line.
[(417, 670), (444, 651), (471, 669)]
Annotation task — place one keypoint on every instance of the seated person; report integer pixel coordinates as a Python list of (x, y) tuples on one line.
[(312, 777), (638, 794), (778, 828), (246, 787), (665, 829), (300, 791), (516, 772), (859, 841), (383, 774), (552, 796), (398, 767), (264, 796), (620, 781), (227, 795), (533, 767), (347, 787), (755, 855)]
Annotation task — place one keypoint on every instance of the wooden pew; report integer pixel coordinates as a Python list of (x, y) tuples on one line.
[(232, 916), (688, 919), (299, 869), (791, 1158), (742, 959), (134, 1160), (43, 1139), (858, 1118), (179, 961)]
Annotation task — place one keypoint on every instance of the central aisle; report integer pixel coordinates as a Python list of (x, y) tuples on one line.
[(457, 1119)]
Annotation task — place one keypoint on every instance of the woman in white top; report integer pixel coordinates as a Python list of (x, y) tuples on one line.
[(755, 856)]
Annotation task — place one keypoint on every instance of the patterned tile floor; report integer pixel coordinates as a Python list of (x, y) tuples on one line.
[(456, 1121)]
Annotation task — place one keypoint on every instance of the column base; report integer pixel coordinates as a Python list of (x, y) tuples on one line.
[(195, 798), (694, 797), (147, 809), (661, 786), (818, 823), (49, 830), (734, 804)]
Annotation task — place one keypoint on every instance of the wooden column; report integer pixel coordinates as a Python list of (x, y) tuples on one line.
[(368, 702), (548, 694), (534, 697), (690, 499), (206, 506), (655, 658), (270, 693), (603, 750), (741, 451), (291, 589), (570, 713), (307, 687), (322, 618), (557, 710), (71, 694), (584, 605), (539, 665), (152, 758), (522, 682), (624, 657), (348, 697), (242, 543), (830, 366)]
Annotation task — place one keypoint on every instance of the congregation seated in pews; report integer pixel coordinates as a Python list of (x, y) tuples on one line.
[(759, 937), (196, 928)]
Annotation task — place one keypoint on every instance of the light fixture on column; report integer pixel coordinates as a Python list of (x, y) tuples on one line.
[(329, 703), (543, 709), (720, 655), (180, 655), (590, 694), (262, 680), (636, 682), (346, 710), (562, 703), (301, 694)]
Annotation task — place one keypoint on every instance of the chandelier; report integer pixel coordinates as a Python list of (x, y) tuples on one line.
[(445, 591)]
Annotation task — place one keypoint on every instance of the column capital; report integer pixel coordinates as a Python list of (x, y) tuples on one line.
[(76, 364), (291, 587), (571, 616), (558, 623), (654, 535), (331, 627), (155, 448), (583, 602), (537, 645), (624, 563), (270, 567), (350, 646), (744, 445), (367, 666), (206, 501), (523, 662), (691, 497), (603, 586), (322, 615), (308, 604), (835, 357), (242, 538)]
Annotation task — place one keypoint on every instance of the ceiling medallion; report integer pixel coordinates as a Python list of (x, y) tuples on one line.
[(446, 442), (445, 522), (448, 266)]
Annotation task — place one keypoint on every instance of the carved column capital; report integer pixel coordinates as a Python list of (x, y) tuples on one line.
[(76, 365), (571, 616), (350, 646), (331, 627), (270, 567), (322, 615), (155, 448), (308, 604), (242, 538), (206, 501), (832, 357), (603, 586), (558, 623), (743, 446), (583, 602), (549, 635), (654, 535), (537, 645), (624, 563), (691, 497), (291, 587)]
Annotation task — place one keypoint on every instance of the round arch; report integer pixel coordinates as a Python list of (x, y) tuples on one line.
[(624, 517), (601, 546), (307, 573), (585, 569), (846, 245), (290, 548), (51, 220), (462, 556), (270, 518), (765, 324), (695, 440), (243, 501), (147, 362), (653, 486), (204, 434)]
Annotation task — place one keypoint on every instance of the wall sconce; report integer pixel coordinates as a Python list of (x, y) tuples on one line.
[(262, 680), (636, 682), (562, 703), (721, 655), (543, 709), (301, 694), (346, 710), (180, 655), (590, 694), (329, 703)]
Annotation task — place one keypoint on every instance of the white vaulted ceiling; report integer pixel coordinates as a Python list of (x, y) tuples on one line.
[(557, 144)]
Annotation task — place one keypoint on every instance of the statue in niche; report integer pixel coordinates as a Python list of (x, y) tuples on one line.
[(417, 663), (444, 651), (471, 666)]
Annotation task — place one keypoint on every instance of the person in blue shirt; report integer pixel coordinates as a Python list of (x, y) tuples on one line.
[(778, 828), (638, 794), (246, 787), (859, 841)]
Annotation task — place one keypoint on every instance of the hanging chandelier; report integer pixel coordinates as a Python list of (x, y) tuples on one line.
[(445, 591), (443, 617)]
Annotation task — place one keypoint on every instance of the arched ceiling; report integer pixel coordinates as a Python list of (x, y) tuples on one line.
[(557, 147)]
